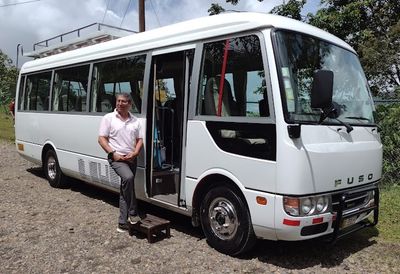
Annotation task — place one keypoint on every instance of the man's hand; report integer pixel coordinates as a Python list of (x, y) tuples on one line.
[(130, 156), (117, 157)]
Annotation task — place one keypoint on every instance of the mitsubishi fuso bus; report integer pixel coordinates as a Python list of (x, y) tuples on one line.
[(257, 126)]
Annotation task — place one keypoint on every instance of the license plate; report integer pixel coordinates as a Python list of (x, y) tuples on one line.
[(349, 221), (352, 220)]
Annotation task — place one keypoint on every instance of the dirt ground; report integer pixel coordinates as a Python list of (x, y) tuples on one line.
[(73, 230)]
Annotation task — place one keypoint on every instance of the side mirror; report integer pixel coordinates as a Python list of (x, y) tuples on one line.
[(322, 89)]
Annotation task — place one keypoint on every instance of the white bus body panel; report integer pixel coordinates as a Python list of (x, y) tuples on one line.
[(57, 128), (79, 154), (252, 176), (327, 158), (250, 172)]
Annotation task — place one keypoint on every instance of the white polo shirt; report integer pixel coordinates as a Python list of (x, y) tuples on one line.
[(121, 134)]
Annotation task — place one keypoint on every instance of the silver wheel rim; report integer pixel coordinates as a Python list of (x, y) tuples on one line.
[(223, 218), (51, 168)]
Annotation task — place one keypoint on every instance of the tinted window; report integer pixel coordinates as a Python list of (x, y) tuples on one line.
[(117, 76), (232, 79), (37, 91), (70, 89)]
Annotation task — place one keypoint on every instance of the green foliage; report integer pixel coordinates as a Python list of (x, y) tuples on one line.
[(372, 27), (389, 207), (384, 74), (8, 79), (215, 9), (387, 116), (291, 9), (6, 127)]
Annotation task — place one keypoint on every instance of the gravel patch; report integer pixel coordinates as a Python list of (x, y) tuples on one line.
[(73, 230)]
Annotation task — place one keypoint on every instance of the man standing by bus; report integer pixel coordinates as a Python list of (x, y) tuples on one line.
[(121, 137)]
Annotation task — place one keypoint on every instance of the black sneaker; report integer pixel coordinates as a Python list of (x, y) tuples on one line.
[(134, 219), (122, 228)]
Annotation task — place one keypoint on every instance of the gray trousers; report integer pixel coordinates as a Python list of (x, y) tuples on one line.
[(127, 197)]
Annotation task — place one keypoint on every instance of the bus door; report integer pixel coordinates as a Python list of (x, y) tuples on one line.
[(168, 97)]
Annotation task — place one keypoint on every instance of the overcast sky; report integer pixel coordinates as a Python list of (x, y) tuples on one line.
[(26, 22)]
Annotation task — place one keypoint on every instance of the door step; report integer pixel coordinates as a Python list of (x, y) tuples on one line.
[(153, 227)]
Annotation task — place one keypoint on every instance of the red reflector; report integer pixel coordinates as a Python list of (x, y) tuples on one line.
[(291, 222), (318, 220)]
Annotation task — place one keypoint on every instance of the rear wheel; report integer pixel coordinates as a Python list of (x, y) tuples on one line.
[(225, 220), (53, 171)]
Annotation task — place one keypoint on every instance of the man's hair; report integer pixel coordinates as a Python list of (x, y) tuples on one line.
[(126, 95)]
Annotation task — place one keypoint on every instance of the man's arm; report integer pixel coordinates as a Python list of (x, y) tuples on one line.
[(103, 142)]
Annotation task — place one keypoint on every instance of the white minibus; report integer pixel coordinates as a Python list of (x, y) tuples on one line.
[(257, 126)]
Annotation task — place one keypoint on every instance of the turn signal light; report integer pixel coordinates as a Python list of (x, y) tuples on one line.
[(20, 147), (261, 200)]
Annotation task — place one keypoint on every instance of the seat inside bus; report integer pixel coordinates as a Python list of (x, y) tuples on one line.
[(211, 98)]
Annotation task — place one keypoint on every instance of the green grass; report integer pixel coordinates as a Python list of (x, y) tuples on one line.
[(6, 127), (389, 209)]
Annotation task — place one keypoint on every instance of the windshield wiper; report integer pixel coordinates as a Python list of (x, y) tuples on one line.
[(333, 112), (347, 126), (357, 118)]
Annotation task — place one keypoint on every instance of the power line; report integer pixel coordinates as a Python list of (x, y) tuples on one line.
[(105, 12), (126, 11), (18, 3), (155, 12)]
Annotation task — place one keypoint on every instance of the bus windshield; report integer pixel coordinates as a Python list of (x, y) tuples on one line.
[(299, 56)]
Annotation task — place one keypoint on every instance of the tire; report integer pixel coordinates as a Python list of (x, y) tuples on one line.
[(53, 171), (226, 223)]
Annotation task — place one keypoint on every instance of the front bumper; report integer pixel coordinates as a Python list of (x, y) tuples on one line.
[(351, 212)]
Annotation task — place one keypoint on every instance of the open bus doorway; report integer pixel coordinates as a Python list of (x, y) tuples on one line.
[(167, 117)]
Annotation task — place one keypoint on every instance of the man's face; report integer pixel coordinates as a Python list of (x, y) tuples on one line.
[(123, 105)]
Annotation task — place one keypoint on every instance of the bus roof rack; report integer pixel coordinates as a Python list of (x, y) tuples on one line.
[(78, 38)]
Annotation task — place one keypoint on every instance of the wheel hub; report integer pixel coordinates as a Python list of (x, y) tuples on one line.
[(51, 168), (223, 218)]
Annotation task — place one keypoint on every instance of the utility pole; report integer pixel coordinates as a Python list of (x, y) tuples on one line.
[(142, 24)]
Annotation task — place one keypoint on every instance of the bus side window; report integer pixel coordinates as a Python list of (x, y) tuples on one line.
[(36, 91), (69, 91), (233, 79), (123, 75)]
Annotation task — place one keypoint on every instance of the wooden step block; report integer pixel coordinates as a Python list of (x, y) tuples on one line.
[(153, 227)]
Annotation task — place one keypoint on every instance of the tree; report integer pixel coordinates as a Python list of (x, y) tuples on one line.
[(387, 116), (215, 9), (381, 60), (291, 9), (8, 79), (372, 28)]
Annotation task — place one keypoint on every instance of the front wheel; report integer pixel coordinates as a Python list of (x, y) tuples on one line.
[(53, 171), (225, 220)]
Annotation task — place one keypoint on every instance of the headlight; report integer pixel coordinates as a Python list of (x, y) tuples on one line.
[(322, 204), (307, 206)]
